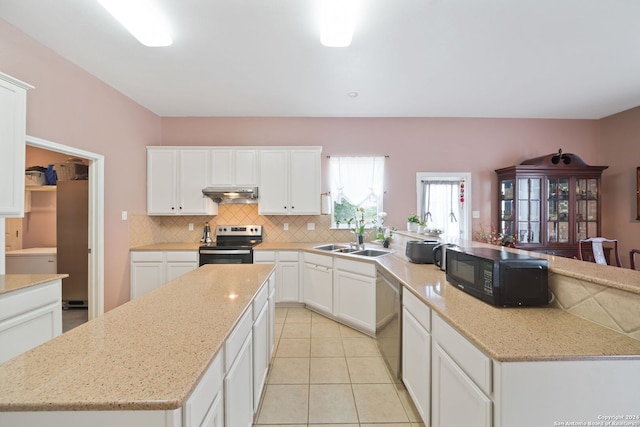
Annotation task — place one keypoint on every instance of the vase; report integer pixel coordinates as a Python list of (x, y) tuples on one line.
[(412, 226), (360, 239)]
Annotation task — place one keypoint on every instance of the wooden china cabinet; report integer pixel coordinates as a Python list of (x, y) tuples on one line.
[(549, 203)]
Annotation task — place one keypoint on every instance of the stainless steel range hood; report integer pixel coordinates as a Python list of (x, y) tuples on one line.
[(232, 195)]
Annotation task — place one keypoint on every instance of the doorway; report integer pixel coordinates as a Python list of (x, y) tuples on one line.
[(95, 219)]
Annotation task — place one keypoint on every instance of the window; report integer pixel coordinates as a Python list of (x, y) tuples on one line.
[(356, 182), (443, 201)]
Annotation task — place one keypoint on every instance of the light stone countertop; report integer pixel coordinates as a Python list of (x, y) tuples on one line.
[(505, 334), (173, 246), (15, 282), (147, 354)]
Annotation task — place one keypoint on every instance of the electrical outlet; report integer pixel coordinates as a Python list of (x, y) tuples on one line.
[(286, 226), (190, 227), (475, 214), (311, 226), (125, 215)]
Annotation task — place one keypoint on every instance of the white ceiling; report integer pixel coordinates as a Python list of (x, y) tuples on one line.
[(409, 58)]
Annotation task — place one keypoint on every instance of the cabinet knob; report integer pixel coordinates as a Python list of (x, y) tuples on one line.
[(172, 208)]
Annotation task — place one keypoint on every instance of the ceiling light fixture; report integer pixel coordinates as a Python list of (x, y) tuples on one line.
[(337, 19), (142, 19)]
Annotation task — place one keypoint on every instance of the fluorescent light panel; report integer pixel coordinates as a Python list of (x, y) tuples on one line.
[(337, 21), (142, 19)]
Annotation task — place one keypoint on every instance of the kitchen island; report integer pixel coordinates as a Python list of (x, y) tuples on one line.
[(139, 363)]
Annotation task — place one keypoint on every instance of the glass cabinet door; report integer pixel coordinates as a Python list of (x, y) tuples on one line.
[(586, 208), (558, 210), (529, 220), (506, 207)]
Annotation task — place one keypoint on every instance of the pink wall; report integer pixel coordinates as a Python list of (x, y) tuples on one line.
[(620, 140), (71, 107), (413, 144)]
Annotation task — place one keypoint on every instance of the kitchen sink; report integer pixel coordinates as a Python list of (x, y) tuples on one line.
[(371, 253), (345, 250), (332, 247)]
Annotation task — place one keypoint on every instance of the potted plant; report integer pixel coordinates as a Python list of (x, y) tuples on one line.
[(413, 222), (421, 227)]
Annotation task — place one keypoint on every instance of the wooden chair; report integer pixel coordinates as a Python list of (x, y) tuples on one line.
[(632, 258), (594, 249)]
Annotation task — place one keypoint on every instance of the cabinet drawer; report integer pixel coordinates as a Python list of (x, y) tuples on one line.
[(418, 309), (182, 256), (264, 256), (472, 361), (288, 256), (237, 338), (323, 260), (260, 300), (28, 299), (204, 394), (358, 267), (147, 256)]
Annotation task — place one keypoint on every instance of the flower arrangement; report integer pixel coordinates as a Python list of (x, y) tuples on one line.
[(383, 234), (494, 237)]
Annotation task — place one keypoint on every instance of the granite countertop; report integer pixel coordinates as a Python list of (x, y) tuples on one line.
[(147, 354), (15, 282), (172, 246), (507, 334)]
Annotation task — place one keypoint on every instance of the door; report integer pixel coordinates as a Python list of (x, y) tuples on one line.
[(273, 186), (288, 282), (192, 178), (238, 389), (318, 287), (355, 300), (416, 355), (261, 354), (13, 234), (162, 169), (304, 192), (145, 277)]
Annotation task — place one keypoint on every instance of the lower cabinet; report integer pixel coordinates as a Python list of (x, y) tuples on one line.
[(204, 406), (416, 354), (238, 388), (318, 282), (354, 300), (287, 274), (261, 346), (29, 317), (152, 269)]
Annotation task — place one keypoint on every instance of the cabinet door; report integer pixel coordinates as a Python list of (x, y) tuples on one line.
[(192, 178), (177, 269), (416, 363), (272, 316), (318, 287), (221, 172), (457, 401), (245, 173), (288, 282), (354, 300), (145, 277), (238, 389), (304, 176), (13, 107), (215, 415), (274, 183), (261, 354), (162, 169)]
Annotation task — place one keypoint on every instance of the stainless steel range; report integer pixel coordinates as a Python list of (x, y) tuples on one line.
[(233, 245)]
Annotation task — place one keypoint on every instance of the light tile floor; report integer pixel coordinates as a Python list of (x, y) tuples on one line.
[(323, 372)]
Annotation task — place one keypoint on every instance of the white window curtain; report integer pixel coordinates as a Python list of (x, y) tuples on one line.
[(441, 206), (357, 179)]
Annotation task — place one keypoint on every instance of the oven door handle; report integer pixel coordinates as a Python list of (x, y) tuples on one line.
[(225, 252)]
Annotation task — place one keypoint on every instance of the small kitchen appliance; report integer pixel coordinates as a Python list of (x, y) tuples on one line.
[(421, 251), (440, 255), (499, 277), (234, 245)]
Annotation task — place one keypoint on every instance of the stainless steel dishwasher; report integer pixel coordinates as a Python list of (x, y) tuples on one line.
[(389, 322)]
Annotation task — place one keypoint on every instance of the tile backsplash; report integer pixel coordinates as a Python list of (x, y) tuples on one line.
[(146, 230)]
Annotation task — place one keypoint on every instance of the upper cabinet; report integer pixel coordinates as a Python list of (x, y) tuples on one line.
[(13, 112), (550, 202), (233, 167), (175, 179), (289, 182)]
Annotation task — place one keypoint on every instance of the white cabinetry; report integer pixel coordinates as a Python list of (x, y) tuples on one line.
[(13, 110), (416, 353), (32, 261), (261, 348), (204, 405), (232, 167), (318, 282), (461, 379), (355, 294), (238, 384), (287, 273), (29, 317), (175, 179), (289, 181), (152, 269)]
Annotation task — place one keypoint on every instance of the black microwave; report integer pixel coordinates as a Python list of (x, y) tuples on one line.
[(499, 277)]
